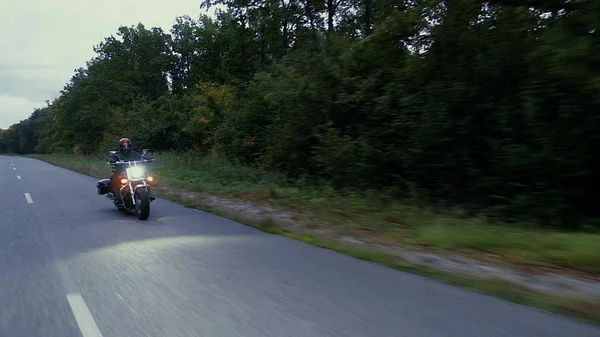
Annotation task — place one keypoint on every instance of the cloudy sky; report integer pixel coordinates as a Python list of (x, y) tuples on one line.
[(43, 41)]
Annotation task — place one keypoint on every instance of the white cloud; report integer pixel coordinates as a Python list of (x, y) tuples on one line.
[(42, 42), (15, 109)]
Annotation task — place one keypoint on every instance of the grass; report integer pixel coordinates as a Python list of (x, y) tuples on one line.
[(388, 222)]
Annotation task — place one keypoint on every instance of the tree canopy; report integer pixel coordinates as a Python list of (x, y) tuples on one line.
[(492, 105)]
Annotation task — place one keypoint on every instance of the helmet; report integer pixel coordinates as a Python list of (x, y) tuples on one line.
[(125, 145)]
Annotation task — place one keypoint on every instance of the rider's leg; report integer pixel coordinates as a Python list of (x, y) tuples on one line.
[(115, 186)]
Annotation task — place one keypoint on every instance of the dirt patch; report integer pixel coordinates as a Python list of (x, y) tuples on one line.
[(537, 279), (240, 207), (542, 281)]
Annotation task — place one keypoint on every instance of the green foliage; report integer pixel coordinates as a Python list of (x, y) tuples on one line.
[(489, 105)]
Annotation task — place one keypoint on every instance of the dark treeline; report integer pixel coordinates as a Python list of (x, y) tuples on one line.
[(492, 105)]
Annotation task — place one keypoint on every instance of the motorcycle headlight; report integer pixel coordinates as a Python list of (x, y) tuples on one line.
[(135, 173)]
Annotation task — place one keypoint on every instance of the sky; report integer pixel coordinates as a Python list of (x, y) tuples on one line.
[(42, 42)]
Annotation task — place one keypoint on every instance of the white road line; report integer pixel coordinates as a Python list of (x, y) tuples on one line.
[(28, 197), (82, 314), (19, 177), (14, 168)]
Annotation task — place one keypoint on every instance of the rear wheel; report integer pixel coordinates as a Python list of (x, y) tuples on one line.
[(142, 203)]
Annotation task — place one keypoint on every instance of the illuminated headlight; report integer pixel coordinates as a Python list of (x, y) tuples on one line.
[(135, 173)]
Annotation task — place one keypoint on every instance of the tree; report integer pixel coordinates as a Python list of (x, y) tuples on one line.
[(491, 105)]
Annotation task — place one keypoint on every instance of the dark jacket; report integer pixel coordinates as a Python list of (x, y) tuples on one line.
[(118, 155), (133, 155)]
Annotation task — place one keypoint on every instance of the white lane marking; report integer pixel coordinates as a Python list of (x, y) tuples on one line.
[(19, 177), (14, 168), (82, 314), (28, 197)]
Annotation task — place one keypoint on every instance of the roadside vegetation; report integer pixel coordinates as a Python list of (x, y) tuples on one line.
[(463, 127)]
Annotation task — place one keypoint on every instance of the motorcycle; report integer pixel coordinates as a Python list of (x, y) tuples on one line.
[(134, 192)]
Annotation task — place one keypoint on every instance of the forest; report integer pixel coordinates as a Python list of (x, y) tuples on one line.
[(490, 105)]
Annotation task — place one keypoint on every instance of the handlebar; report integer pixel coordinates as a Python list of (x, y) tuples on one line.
[(120, 162), (144, 160)]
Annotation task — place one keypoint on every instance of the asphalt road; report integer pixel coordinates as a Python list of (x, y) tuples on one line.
[(72, 265)]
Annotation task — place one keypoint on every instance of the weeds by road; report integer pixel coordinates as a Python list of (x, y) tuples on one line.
[(551, 270)]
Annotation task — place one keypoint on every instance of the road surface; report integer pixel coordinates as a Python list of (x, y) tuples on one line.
[(72, 265)]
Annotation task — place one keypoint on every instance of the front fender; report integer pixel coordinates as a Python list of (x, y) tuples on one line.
[(137, 187)]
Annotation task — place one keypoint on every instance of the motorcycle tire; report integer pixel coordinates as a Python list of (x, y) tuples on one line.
[(142, 203)]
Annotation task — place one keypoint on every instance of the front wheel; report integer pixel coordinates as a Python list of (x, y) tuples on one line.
[(142, 203)]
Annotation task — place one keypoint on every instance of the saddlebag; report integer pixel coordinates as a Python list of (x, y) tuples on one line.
[(103, 186)]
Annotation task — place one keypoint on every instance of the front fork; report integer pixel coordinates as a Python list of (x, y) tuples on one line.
[(132, 190)]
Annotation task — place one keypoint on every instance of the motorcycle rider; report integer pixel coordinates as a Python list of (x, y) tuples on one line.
[(125, 152)]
